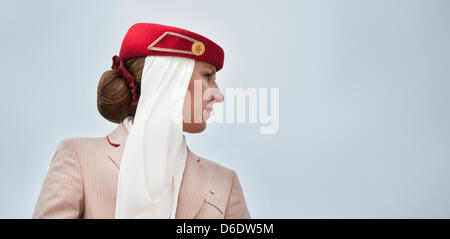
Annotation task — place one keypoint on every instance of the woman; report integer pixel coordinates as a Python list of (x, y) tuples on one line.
[(161, 85)]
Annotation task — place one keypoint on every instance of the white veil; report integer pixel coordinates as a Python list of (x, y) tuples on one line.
[(155, 152)]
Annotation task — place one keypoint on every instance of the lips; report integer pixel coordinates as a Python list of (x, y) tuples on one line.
[(209, 106), (208, 109)]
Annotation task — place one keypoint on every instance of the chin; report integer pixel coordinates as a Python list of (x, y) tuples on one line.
[(194, 127)]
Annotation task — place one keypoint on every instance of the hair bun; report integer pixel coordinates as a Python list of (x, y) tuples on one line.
[(113, 95)]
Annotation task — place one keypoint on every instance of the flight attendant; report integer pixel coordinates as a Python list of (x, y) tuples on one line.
[(162, 84)]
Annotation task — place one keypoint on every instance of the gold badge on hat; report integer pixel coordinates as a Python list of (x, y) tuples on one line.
[(198, 48)]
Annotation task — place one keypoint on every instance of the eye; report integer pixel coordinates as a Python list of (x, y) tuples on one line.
[(207, 76)]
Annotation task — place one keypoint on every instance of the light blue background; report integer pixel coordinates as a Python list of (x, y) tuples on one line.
[(364, 92)]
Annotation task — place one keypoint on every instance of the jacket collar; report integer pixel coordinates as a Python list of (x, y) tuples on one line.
[(195, 176)]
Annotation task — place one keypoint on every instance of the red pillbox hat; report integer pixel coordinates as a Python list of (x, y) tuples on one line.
[(144, 39)]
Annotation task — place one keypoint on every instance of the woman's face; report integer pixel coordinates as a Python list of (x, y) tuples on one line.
[(202, 93)]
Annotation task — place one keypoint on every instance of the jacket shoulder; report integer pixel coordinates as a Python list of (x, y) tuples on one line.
[(220, 174), (83, 140), (82, 144), (216, 167)]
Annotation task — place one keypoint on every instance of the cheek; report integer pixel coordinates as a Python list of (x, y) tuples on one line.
[(187, 107), (198, 100), (205, 87), (194, 104)]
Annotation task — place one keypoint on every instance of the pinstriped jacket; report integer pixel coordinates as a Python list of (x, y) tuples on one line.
[(82, 183)]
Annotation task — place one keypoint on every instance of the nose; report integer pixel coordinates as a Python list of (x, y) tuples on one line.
[(217, 96)]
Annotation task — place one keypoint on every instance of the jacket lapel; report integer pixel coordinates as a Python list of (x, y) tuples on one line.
[(194, 182), (117, 140), (192, 189)]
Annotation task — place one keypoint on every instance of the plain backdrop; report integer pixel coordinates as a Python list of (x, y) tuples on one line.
[(364, 92)]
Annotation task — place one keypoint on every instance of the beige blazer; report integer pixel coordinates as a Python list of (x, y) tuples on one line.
[(82, 183)]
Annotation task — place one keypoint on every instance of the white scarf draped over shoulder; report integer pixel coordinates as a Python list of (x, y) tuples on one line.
[(155, 152)]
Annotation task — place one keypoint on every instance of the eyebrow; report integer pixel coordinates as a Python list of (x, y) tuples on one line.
[(213, 69)]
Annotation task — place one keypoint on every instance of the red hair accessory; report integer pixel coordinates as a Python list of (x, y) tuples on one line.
[(118, 66)]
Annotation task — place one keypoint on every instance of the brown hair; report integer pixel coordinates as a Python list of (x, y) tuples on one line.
[(113, 94)]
